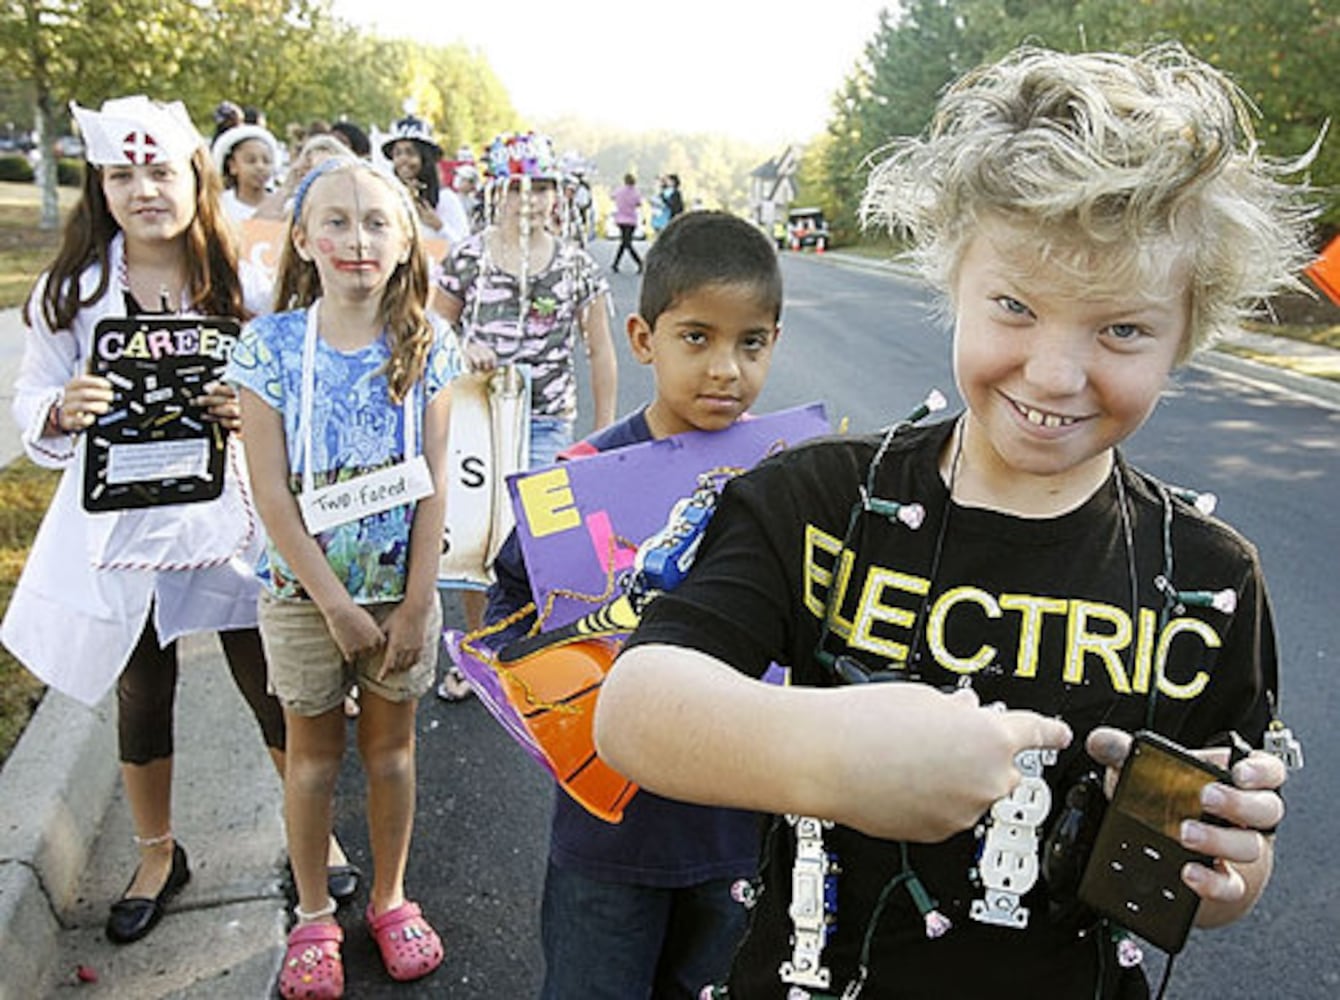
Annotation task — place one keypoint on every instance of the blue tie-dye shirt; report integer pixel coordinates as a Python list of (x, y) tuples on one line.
[(356, 429)]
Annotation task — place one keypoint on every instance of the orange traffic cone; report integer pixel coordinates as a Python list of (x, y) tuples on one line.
[(820, 245)]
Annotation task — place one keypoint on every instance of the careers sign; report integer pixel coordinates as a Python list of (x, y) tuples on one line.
[(155, 445)]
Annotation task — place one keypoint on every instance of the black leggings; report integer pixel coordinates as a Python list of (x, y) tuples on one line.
[(626, 243), (146, 693)]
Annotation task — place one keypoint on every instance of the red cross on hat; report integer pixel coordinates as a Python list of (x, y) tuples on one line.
[(139, 147)]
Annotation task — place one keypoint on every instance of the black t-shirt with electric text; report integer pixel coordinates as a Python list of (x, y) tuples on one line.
[(1038, 613)]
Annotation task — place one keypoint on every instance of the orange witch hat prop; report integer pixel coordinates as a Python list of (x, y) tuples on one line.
[(554, 692)]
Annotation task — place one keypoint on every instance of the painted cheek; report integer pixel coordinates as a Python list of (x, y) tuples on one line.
[(325, 244)]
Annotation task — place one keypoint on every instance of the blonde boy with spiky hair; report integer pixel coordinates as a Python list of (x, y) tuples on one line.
[(1089, 220)]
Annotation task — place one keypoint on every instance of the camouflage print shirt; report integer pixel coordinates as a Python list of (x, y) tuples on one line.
[(546, 342)]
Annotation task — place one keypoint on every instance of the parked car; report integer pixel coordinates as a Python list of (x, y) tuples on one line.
[(806, 227), (70, 146)]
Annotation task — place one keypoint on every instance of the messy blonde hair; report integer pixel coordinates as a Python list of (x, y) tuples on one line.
[(1119, 168), (404, 300)]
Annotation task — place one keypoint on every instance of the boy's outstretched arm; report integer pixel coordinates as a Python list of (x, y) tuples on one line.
[(899, 761), (1244, 851)]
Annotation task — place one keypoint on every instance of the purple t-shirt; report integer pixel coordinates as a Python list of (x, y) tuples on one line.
[(627, 201)]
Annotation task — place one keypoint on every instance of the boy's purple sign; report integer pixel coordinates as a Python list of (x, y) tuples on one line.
[(580, 522)]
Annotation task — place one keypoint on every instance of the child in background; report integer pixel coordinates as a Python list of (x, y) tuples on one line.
[(413, 154), (336, 393), (104, 597), (246, 157), (314, 151), (1091, 220), (644, 908)]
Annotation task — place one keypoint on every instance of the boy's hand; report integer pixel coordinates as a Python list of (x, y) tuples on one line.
[(221, 404), (354, 629), (931, 761), (403, 631), (1251, 806)]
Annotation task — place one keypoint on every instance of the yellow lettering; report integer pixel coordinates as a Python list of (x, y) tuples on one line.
[(871, 610), (1031, 610), (838, 625), (1081, 640), (547, 501), (214, 343), (935, 630), (1144, 651), (1193, 688), (818, 578)]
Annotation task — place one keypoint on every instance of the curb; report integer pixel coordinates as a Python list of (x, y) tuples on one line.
[(1321, 391), (57, 783)]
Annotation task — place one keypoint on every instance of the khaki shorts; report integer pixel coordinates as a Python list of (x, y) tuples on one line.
[(307, 670)]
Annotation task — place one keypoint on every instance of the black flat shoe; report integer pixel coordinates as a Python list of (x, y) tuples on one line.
[(135, 916), (342, 882)]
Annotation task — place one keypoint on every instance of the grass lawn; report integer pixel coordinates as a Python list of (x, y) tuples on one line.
[(25, 491), (25, 249)]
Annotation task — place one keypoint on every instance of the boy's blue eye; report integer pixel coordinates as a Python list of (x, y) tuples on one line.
[(1012, 305), (1124, 331)]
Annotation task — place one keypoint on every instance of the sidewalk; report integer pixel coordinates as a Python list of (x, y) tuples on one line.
[(65, 839)]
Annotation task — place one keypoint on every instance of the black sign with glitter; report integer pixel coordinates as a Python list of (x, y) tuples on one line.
[(155, 446)]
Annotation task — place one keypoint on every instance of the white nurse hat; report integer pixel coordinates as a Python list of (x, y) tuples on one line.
[(136, 130)]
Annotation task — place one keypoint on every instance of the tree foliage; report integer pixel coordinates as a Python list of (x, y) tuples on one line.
[(1282, 53), (292, 59)]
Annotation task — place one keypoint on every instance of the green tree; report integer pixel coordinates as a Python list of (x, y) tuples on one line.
[(1281, 52)]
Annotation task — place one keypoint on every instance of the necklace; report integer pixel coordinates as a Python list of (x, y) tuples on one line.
[(136, 299)]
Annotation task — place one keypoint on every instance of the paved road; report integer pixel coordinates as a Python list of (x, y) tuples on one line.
[(862, 341)]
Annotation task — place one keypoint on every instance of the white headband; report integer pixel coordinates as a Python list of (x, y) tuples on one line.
[(136, 130)]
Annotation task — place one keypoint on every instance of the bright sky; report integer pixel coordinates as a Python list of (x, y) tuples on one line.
[(745, 68)]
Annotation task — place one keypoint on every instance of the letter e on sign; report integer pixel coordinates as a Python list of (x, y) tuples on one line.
[(546, 499)]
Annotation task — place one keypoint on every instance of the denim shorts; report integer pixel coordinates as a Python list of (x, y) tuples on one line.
[(308, 673), (548, 436)]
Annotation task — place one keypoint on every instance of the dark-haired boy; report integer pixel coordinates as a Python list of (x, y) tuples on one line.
[(644, 908)]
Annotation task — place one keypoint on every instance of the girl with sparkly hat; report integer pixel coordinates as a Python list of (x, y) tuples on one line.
[(518, 295)]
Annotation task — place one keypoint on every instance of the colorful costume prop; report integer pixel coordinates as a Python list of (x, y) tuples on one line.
[(577, 522), (488, 441)]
